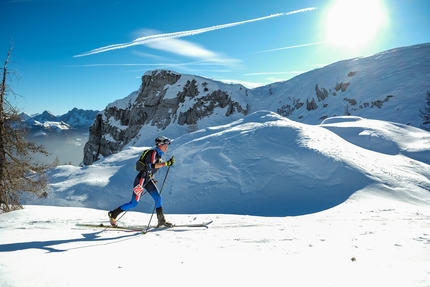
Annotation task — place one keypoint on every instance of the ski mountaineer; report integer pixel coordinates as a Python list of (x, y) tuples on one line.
[(147, 165)]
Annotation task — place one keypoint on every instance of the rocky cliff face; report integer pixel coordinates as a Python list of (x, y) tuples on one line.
[(164, 99)]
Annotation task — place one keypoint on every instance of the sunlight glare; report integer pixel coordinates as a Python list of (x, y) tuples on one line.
[(354, 23)]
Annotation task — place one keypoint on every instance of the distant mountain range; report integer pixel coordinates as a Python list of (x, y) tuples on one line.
[(62, 136), (46, 121)]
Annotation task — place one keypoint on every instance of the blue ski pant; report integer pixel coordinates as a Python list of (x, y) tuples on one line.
[(150, 187)]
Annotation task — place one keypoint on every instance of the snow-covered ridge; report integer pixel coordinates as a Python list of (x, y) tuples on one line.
[(274, 165), (390, 86)]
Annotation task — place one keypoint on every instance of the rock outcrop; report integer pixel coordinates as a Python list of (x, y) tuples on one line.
[(165, 98)]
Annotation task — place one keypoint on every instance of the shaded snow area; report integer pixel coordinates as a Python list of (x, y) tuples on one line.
[(343, 203)]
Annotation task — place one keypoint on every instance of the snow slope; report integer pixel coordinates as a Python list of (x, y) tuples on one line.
[(263, 165), (391, 86), (366, 241), (344, 203)]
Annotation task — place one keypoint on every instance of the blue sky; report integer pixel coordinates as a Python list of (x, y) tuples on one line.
[(88, 53)]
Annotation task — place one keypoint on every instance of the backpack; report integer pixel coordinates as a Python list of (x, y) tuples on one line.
[(141, 164)]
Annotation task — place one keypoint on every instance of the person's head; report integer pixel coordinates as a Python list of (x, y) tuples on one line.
[(162, 143)]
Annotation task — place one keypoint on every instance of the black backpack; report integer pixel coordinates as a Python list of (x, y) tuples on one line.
[(142, 162)]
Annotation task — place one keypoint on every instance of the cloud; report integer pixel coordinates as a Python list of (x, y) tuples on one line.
[(274, 73), (169, 36), (182, 48), (289, 47), (249, 85), (191, 50)]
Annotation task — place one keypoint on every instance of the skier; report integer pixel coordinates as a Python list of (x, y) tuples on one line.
[(148, 164)]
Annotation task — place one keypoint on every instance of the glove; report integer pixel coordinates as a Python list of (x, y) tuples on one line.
[(170, 162)]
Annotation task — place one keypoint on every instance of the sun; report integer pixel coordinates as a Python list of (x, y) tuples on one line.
[(354, 23)]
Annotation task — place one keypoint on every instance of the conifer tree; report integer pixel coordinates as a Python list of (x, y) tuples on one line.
[(19, 175)]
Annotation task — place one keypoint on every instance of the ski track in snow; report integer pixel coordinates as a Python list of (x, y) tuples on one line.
[(390, 245)]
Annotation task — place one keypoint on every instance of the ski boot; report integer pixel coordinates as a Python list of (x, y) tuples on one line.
[(161, 220), (112, 216)]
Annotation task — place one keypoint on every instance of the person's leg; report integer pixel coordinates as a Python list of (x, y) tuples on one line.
[(133, 203), (153, 191)]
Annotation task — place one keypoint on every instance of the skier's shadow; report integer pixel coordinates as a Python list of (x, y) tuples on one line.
[(47, 245)]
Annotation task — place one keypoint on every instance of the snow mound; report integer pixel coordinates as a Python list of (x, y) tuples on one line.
[(265, 165)]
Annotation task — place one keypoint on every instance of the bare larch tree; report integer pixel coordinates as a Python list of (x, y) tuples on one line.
[(20, 176)]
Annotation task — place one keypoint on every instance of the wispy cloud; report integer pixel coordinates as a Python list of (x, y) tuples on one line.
[(274, 73), (169, 36), (115, 65), (278, 49), (192, 50), (249, 85), (289, 47)]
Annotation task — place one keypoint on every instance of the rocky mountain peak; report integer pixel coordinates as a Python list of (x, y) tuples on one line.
[(165, 98)]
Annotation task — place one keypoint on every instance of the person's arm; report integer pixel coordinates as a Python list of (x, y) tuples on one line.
[(159, 165), (166, 163)]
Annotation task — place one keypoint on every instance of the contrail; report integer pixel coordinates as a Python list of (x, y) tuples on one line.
[(161, 37), (289, 47)]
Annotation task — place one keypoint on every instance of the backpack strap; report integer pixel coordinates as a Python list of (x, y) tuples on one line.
[(141, 164)]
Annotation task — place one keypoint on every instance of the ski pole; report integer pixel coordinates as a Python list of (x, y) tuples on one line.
[(159, 195)]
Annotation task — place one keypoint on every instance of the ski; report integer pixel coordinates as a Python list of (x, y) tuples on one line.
[(203, 224), (186, 225), (110, 227), (144, 228)]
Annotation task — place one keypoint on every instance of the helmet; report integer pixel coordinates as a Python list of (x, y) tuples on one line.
[(162, 140)]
